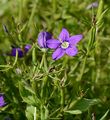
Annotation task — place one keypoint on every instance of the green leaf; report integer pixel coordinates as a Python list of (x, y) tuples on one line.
[(84, 104), (28, 95), (100, 22), (46, 112), (100, 8), (30, 112), (5, 66), (81, 105), (104, 116), (74, 112)]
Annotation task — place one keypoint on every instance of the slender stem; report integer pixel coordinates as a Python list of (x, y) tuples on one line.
[(42, 113), (41, 64), (62, 101), (43, 86), (65, 65), (32, 13), (82, 69), (43, 91), (35, 113), (44, 61), (20, 9), (62, 97)]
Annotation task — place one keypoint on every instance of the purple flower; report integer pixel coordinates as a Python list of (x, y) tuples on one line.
[(42, 39), (92, 5), (2, 102), (15, 50), (65, 44), (20, 51), (27, 48)]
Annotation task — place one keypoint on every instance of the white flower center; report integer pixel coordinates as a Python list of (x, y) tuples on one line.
[(65, 45)]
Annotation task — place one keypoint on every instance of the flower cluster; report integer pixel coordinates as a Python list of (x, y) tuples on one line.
[(65, 44), (21, 52)]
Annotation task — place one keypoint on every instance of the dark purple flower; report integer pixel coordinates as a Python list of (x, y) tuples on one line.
[(21, 52), (27, 48), (15, 50), (42, 38), (2, 102), (65, 44)]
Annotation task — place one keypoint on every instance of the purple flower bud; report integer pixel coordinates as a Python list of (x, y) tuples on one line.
[(15, 50), (42, 39), (27, 48), (20, 51), (2, 102), (92, 5)]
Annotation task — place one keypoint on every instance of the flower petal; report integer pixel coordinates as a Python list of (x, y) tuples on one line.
[(2, 102), (48, 35), (42, 38), (71, 51), (64, 35), (58, 54), (73, 40), (26, 48), (53, 44), (20, 52)]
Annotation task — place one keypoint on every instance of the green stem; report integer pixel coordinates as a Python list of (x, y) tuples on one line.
[(44, 61), (42, 113), (20, 9), (62, 101), (32, 13), (62, 97), (43, 92), (41, 64), (43, 86), (34, 58), (35, 113), (89, 48), (82, 69), (100, 9)]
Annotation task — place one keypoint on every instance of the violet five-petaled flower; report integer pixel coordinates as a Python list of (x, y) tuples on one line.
[(64, 45), (2, 101), (20, 51), (42, 39)]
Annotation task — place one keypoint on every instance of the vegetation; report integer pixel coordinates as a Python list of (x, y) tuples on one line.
[(36, 87)]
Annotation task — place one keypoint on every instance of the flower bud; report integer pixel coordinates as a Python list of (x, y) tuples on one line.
[(42, 38)]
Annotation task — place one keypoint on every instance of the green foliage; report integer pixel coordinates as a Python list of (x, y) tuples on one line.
[(27, 94), (30, 111), (38, 88), (104, 116), (81, 105)]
